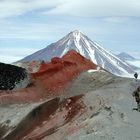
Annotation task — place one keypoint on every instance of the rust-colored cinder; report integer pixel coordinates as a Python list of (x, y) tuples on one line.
[(51, 79)]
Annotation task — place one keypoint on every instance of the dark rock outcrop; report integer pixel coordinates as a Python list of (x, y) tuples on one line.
[(11, 75)]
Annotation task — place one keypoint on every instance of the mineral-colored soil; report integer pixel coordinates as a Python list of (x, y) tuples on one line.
[(65, 101)]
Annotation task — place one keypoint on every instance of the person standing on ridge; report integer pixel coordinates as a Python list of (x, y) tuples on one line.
[(136, 75)]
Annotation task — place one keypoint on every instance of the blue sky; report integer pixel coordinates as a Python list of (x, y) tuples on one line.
[(30, 25)]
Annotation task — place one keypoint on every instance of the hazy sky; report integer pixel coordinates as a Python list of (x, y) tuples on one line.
[(29, 25)]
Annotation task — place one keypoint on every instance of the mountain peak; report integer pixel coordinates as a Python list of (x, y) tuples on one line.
[(79, 42), (125, 56), (76, 33)]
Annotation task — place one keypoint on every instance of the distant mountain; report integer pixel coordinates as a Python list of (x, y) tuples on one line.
[(134, 62), (82, 44), (126, 57)]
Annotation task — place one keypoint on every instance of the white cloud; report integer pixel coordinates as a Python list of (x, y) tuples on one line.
[(30, 31), (10, 8), (116, 19), (9, 55), (44, 31), (9, 59), (88, 8), (98, 8), (14, 51)]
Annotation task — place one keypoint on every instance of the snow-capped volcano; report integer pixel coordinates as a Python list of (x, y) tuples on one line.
[(126, 57), (82, 44)]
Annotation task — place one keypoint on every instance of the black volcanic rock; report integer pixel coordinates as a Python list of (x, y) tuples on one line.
[(11, 75)]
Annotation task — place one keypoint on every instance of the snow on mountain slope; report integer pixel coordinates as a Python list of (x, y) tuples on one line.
[(78, 41)]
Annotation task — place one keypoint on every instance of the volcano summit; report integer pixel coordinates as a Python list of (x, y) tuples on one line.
[(79, 42)]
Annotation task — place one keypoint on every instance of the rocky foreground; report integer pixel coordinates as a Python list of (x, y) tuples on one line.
[(67, 101)]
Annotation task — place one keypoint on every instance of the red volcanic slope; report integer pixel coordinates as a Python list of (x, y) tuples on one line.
[(53, 76), (48, 118), (56, 114), (56, 74)]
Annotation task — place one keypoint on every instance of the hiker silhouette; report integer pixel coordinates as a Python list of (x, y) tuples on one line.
[(136, 75)]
